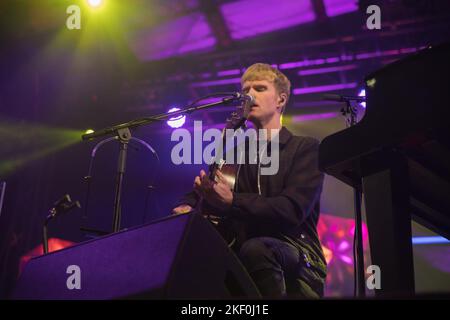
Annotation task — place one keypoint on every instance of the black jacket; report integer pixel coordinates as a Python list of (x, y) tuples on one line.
[(289, 204)]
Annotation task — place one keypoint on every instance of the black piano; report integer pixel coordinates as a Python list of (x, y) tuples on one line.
[(398, 155)]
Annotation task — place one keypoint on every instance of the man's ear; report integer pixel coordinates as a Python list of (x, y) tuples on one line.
[(282, 99)]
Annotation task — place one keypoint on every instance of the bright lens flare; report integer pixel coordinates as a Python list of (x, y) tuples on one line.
[(95, 3)]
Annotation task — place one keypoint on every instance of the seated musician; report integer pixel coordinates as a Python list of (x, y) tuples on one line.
[(275, 215)]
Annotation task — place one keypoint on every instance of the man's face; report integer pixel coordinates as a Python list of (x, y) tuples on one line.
[(266, 100)]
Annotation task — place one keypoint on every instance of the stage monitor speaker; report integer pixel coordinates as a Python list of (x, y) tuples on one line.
[(179, 257)]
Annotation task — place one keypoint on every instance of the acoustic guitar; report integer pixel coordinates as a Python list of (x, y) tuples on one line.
[(229, 171)]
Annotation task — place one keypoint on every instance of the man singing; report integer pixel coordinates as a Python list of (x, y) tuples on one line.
[(278, 213)]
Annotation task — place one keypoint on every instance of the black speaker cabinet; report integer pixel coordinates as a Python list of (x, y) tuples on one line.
[(174, 258)]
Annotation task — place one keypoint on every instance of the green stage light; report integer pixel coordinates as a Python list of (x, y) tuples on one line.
[(26, 142)]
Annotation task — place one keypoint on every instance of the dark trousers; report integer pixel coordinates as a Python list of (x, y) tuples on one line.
[(280, 270)]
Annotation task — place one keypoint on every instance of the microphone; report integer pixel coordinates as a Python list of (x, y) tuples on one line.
[(247, 102), (247, 98), (340, 98)]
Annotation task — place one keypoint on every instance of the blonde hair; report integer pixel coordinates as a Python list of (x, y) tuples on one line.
[(264, 71)]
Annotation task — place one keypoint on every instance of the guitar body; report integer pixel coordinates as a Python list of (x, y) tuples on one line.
[(223, 225)]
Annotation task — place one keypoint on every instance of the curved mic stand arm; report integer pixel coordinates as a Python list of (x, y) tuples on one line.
[(152, 182), (98, 145), (149, 147), (88, 177), (122, 157)]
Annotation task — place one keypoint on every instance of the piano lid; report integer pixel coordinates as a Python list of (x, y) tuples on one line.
[(406, 100)]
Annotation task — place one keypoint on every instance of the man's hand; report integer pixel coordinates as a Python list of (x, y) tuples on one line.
[(184, 208), (217, 194)]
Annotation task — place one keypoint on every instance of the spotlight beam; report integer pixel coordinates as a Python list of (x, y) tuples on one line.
[(95, 3)]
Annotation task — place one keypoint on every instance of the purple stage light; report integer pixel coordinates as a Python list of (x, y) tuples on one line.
[(332, 60), (343, 246), (386, 53), (346, 259), (232, 72), (304, 63), (362, 93), (313, 62), (252, 17), (315, 116), (347, 57), (332, 87), (411, 50), (292, 65), (178, 121), (337, 7), (326, 70)]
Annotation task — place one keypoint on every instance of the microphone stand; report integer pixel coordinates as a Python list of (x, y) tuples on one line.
[(350, 113), (63, 205), (123, 134)]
